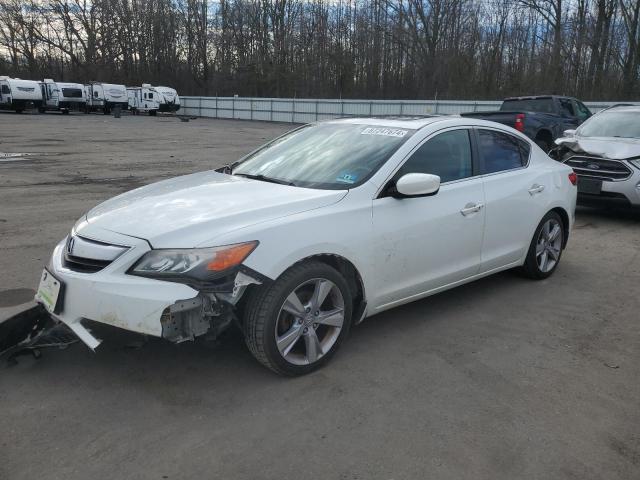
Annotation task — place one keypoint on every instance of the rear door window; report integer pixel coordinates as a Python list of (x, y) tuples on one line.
[(501, 151)]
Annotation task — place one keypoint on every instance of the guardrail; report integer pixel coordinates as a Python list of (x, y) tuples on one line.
[(294, 110)]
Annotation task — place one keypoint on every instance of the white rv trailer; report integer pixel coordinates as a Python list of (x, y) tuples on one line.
[(106, 96), (17, 94), (143, 99), (62, 96), (168, 100)]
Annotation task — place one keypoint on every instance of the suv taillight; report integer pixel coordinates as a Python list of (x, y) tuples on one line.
[(519, 125), (573, 178)]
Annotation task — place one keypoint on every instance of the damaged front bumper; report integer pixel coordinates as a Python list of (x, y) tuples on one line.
[(175, 311)]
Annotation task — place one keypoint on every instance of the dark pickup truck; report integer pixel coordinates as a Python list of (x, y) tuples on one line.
[(542, 118)]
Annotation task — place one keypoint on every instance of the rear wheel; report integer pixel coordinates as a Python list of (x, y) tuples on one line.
[(296, 324), (546, 248)]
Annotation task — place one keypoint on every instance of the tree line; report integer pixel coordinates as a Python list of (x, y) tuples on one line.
[(393, 49)]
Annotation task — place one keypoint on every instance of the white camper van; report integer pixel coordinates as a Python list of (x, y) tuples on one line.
[(168, 100), (62, 96), (104, 97), (17, 94), (143, 99)]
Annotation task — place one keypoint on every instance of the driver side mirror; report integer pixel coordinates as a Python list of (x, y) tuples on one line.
[(417, 185)]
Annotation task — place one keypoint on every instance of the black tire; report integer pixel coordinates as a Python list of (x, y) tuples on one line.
[(42, 109), (543, 144), (65, 112), (263, 307), (153, 113), (531, 267), (19, 110)]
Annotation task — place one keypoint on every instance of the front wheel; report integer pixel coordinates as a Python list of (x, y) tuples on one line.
[(545, 249), (295, 325)]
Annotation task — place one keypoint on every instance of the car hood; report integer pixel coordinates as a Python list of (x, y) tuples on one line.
[(605, 147), (190, 211)]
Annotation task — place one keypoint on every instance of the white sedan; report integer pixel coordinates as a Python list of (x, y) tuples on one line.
[(311, 233)]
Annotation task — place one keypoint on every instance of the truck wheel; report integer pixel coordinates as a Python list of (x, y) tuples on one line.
[(65, 112), (543, 144), (294, 325), (42, 109), (153, 113)]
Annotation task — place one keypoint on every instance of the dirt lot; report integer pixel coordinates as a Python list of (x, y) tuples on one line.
[(501, 379)]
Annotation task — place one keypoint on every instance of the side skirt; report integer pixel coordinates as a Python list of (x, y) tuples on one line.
[(433, 291)]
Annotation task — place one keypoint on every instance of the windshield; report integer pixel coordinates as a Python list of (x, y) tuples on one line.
[(327, 156), (544, 105), (612, 124)]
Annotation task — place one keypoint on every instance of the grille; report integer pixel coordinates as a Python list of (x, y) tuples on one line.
[(89, 256), (599, 168), (84, 265)]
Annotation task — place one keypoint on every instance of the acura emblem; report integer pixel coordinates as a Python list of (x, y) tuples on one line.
[(70, 245)]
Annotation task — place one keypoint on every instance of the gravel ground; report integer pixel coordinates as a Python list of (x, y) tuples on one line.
[(500, 379)]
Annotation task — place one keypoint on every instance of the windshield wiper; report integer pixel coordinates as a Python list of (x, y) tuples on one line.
[(262, 178)]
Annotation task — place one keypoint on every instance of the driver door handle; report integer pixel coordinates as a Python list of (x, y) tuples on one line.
[(470, 208), (535, 188)]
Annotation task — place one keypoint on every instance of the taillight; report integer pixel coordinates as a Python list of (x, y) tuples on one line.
[(519, 125), (573, 178)]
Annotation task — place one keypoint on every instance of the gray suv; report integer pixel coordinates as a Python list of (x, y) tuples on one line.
[(605, 153)]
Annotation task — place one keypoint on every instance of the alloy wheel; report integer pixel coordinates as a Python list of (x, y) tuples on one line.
[(309, 321), (549, 245)]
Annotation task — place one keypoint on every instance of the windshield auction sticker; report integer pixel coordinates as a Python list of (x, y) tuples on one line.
[(387, 132)]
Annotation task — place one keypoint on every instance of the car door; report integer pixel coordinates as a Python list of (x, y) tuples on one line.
[(424, 243), (516, 194), (568, 113)]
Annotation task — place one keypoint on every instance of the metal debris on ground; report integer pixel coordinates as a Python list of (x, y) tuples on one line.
[(30, 331)]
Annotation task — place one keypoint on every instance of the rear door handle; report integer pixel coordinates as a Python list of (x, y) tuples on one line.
[(535, 188), (470, 208)]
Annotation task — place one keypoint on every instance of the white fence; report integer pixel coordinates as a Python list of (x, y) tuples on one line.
[(311, 110)]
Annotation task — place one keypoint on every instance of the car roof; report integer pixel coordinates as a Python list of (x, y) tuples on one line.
[(623, 108), (537, 97), (408, 122), (416, 123)]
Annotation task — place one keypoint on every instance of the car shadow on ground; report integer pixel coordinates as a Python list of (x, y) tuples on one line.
[(607, 210), (127, 357)]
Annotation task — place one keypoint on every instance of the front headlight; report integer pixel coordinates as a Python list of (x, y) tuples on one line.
[(635, 162), (198, 264)]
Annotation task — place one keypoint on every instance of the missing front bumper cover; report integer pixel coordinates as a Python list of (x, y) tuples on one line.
[(208, 313)]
